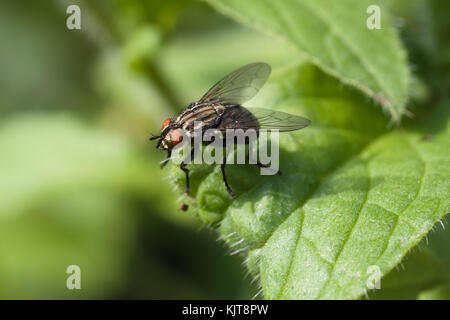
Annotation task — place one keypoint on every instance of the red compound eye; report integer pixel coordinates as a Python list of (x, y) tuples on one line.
[(166, 123), (176, 137)]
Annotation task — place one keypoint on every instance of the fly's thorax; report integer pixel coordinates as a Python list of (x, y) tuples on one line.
[(202, 116)]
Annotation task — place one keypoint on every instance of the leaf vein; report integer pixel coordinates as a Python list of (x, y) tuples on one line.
[(349, 233), (283, 286)]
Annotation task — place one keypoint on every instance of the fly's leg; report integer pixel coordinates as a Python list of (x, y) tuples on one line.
[(186, 170), (259, 164), (169, 154), (222, 168)]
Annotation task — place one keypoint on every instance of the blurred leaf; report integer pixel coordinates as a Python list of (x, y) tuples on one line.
[(441, 292), (132, 96), (85, 228), (335, 37), (182, 263), (50, 153), (428, 46), (69, 194), (159, 12), (141, 46), (44, 67), (190, 62), (62, 204), (351, 195)]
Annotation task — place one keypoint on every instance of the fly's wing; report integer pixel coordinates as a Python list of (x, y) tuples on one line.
[(270, 119), (261, 119), (239, 86)]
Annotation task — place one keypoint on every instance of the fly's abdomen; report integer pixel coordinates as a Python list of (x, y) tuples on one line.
[(238, 117)]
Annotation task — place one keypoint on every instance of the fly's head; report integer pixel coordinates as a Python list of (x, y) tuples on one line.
[(170, 136)]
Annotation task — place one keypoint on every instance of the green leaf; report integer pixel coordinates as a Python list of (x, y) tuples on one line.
[(334, 36), (61, 205), (424, 273), (351, 195)]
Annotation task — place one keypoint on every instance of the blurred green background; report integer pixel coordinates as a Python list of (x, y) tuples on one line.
[(80, 182)]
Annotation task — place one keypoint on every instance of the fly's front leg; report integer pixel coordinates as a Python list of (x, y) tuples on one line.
[(186, 170), (169, 154), (222, 168)]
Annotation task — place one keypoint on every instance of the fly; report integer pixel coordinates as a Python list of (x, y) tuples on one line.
[(221, 108)]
